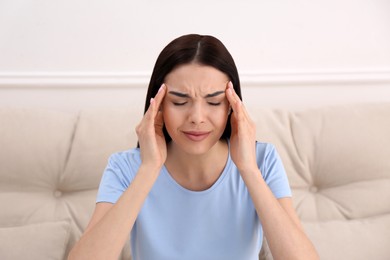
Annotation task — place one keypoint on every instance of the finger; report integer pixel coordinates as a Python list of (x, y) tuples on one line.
[(159, 121), (231, 95), (234, 100), (237, 100), (160, 95), (155, 103)]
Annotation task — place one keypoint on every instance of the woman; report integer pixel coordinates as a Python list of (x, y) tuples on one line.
[(198, 186)]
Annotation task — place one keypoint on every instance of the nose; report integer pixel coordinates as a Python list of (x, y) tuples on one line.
[(197, 113)]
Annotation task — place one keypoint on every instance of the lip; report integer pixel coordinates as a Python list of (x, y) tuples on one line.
[(196, 136)]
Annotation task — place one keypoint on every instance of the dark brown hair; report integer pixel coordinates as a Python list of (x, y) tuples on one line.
[(201, 49)]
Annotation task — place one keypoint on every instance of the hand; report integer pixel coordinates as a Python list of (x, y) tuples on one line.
[(243, 136), (150, 133)]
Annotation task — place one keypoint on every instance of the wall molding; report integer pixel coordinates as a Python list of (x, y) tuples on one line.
[(248, 79), (316, 77)]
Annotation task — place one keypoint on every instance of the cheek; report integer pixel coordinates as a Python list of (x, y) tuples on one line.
[(171, 118), (219, 116)]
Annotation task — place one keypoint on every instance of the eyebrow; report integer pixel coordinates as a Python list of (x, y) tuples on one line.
[(214, 94), (184, 95)]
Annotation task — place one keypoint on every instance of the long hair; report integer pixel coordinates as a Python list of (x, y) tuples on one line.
[(202, 49)]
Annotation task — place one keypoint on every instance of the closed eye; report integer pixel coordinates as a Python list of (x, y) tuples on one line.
[(179, 103), (214, 104)]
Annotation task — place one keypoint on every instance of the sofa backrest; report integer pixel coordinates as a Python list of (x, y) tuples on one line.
[(338, 163), (51, 163)]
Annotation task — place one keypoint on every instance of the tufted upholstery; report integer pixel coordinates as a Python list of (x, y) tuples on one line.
[(337, 160)]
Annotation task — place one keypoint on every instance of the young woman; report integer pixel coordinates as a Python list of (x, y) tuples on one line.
[(198, 186)]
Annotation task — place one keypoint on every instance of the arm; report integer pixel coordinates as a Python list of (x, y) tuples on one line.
[(111, 224), (281, 225), (285, 235)]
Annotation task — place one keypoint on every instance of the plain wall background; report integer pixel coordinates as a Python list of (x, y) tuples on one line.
[(79, 54)]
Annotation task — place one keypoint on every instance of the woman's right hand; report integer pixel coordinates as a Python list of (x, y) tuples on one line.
[(150, 133)]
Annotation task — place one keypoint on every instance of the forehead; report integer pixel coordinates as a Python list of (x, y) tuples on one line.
[(196, 78)]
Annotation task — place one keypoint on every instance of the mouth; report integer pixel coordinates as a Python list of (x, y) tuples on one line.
[(196, 136)]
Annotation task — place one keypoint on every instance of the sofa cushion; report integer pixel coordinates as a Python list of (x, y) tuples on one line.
[(34, 145), (337, 161), (355, 239), (336, 158), (35, 241), (51, 162), (99, 133)]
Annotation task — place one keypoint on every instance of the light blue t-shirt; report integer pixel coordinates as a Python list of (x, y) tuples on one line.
[(178, 224)]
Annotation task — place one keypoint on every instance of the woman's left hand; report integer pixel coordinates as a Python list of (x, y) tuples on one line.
[(243, 135)]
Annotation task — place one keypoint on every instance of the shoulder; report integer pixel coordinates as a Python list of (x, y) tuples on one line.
[(265, 150), (272, 169), (117, 176), (268, 159), (119, 172), (125, 157), (127, 161)]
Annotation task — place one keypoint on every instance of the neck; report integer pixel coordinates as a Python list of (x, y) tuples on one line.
[(197, 172)]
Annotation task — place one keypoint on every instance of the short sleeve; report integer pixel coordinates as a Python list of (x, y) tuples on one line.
[(116, 178), (274, 173)]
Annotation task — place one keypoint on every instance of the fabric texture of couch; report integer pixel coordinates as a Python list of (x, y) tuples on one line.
[(337, 160)]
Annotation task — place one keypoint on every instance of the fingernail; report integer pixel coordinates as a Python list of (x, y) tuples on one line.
[(230, 84), (161, 87), (151, 100)]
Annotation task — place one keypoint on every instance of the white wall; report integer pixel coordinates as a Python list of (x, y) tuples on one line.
[(78, 53)]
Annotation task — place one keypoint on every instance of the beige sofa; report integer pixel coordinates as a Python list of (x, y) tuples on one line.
[(337, 160)]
